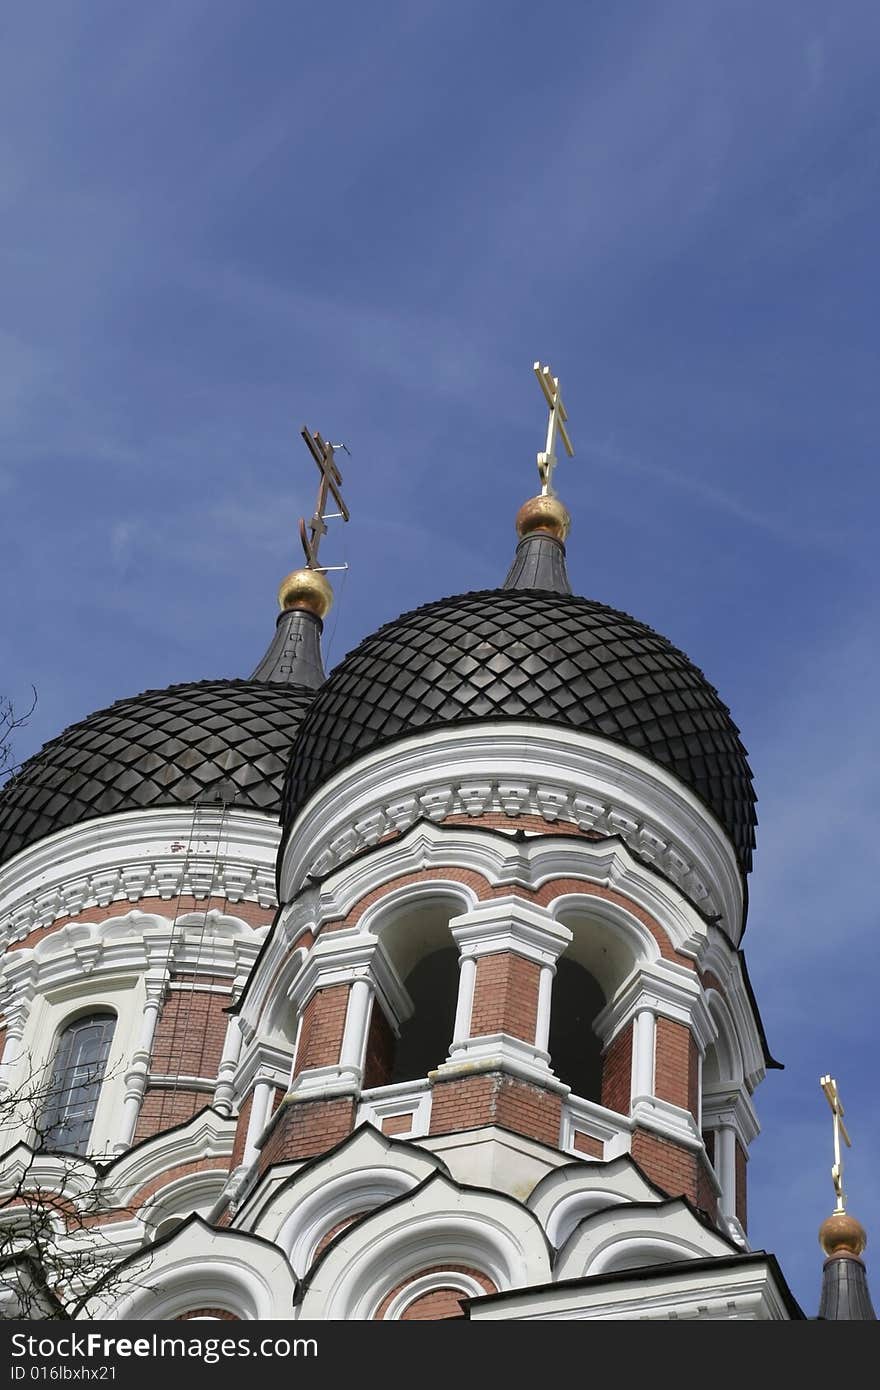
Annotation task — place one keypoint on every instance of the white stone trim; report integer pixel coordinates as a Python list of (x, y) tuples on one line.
[(200, 1267), (340, 958), (519, 769), (510, 924), (431, 1283), (624, 1235), (500, 1052), (439, 1224), (668, 1121), (747, 1292), (665, 989), (612, 1131), (411, 1098), (134, 855), (732, 1109)]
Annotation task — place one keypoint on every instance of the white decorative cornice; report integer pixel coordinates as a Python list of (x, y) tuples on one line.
[(510, 924), (342, 957), (516, 770), (129, 945), (718, 957), (136, 855), (500, 1052), (667, 990), (207, 1135), (668, 1121), (263, 1061), (724, 1107)]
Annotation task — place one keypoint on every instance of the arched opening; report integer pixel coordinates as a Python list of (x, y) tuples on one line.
[(418, 945), (72, 1093), (575, 1050), (423, 1044)]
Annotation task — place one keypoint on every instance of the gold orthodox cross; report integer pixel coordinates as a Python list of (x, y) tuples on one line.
[(832, 1095), (331, 482), (555, 425)]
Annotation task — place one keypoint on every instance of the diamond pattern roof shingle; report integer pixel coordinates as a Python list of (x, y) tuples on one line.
[(164, 747), (514, 654)]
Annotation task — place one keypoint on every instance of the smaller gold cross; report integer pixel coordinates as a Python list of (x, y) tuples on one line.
[(331, 482), (549, 384), (832, 1095)]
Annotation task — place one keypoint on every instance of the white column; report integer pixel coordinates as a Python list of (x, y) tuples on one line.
[(257, 1121), (545, 994), (354, 1035), (467, 976), (725, 1168), (138, 1073), (224, 1091), (644, 1040)]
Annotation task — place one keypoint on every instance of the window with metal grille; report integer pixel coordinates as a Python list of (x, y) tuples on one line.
[(75, 1085)]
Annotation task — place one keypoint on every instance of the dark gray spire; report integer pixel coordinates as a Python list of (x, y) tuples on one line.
[(845, 1293), (539, 563), (294, 655)]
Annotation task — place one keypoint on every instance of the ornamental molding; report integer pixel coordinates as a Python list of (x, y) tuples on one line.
[(341, 958), (666, 990), (442, 1222), (717, 957), (400, 865), (725, 1108), (519, 770), (160, 853), (510, 924), (206, 1135), (74, 957)]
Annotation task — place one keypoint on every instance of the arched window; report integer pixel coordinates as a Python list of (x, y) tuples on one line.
[(575, 1051), (75, 1084), (425, 1037)]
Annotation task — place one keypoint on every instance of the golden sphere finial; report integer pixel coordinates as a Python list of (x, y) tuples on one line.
[(307, 589), (544, 514), (841, 1234)]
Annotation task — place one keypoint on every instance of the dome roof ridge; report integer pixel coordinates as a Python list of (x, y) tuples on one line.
[(529, 654), (168, 745)]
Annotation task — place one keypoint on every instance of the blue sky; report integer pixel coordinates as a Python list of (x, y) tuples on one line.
[(221, 221)]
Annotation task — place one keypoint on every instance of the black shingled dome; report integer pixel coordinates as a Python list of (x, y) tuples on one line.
[(164, 747), (507, 654)]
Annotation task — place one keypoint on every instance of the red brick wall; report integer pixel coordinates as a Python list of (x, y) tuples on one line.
[(617, 1072), (671, 1167), (163, 1109), (706, 1196), (742, 1210), (397, 1124), (305, 1128), (440, 1303), (676, 1170), (219, 1313), (676, 1076), (467, 1102), (244, 1117), (191, 1031), (586, 1144), (379, 1059), (506, 996), (529, 1110), (333, 1232), (320, 1039), (463, 1103)]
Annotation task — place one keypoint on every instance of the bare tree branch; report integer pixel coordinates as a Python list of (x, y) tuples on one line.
[(10, 721), (55, 1252)]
